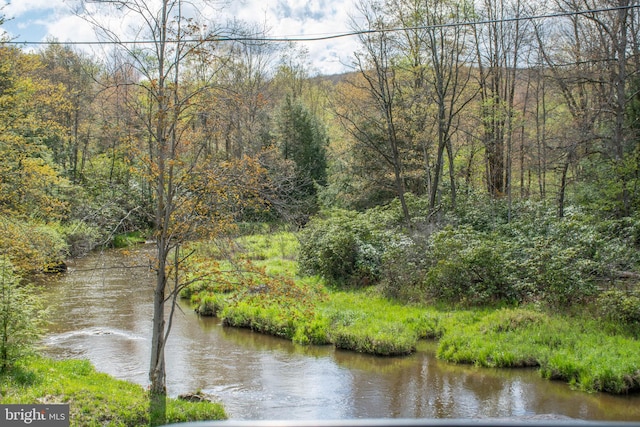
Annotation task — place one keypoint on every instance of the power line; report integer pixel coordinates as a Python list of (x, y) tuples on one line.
[(324, 37)]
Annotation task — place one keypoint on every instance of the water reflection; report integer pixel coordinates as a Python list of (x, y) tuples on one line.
[(103, 314)]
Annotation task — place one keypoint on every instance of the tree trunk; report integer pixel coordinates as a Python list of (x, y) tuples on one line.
[(157, 373), (563, 186)]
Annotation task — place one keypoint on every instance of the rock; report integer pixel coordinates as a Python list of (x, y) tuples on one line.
[(195, 397)]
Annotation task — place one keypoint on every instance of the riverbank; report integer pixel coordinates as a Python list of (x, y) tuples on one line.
[(270, 298), (95, 399)]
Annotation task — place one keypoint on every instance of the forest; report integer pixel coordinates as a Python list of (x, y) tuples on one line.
[(476, 153)]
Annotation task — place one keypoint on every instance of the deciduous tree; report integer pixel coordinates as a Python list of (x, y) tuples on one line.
[(193, 192), (378, 129)]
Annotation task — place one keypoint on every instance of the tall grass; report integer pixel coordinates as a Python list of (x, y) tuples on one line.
[(576, 350)]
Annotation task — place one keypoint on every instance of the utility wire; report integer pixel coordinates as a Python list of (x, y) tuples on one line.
[(321, 37)]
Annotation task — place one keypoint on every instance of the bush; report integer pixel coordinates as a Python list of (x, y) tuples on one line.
[(559, 260), (31, 247), (20, 316), (404, 267), (620, 307), (468, 266), (81, 238), (344, 248)]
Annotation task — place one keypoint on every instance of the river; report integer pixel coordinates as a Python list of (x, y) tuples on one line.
[(101, 311)]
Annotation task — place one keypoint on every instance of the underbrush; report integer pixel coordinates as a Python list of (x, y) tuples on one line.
[(95, 399)]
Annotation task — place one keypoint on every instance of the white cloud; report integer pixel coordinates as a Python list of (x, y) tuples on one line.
[(70, 28), (283, 18), (291, 18), (18, 8)]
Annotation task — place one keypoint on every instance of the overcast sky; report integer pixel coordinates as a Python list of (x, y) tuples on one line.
[(37, 20)]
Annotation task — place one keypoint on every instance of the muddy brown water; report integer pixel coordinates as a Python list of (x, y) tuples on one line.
[(101, 311)]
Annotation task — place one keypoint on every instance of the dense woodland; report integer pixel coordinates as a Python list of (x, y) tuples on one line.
[(477, 152)]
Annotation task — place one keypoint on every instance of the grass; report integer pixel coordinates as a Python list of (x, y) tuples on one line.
[(577, 350), (128, 239), (364, 322), (95, 399), (272, 299)]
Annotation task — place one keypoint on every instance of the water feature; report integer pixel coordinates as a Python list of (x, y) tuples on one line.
[(101, 311)]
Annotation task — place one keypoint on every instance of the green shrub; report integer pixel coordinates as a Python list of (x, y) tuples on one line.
[(469, 267), (619, 306), (344, 248), (125, 240), (81, 237), (559, 260), (208, 304), (404, 267), (31, 247), (21, 316)]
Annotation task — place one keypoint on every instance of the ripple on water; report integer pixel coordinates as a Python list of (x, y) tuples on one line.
[(95, 331)]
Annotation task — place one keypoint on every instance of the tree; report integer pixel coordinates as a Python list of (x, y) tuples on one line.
[(73, 73), (590, 63), (30, 185), (193, 193), (241, 103), (438, 56), (302, 139), (499, 45), (375, 64)]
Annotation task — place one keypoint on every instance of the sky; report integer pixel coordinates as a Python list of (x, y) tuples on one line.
[(39, 20)]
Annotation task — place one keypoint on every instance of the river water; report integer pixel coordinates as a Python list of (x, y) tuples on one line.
[(101, 310)]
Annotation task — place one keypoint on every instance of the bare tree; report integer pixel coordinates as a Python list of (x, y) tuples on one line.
[(181, 179), (375, 63), (498, 52), (591, 63), (439, 56)]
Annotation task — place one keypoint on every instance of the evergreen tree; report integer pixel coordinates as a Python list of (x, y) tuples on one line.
[(303, 140)]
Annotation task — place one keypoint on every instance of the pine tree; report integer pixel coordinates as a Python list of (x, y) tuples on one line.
[(303, 140)]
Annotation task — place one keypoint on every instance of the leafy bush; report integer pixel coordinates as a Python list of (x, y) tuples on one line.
[(559, 260), (404, 267), (344, 248), (468, 266), (81, 238), (20, 316), (534, 257), (31, 246), (619, 306)]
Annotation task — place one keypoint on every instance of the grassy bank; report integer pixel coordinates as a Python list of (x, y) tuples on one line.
[(270, 298), (95, 399)]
